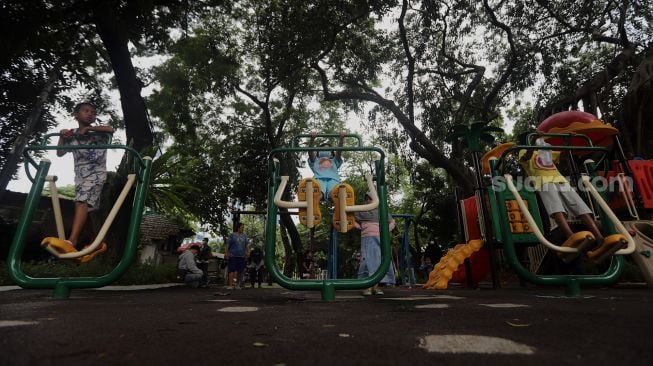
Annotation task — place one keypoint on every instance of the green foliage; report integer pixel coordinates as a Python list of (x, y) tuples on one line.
[(137, 274), (67, 191)]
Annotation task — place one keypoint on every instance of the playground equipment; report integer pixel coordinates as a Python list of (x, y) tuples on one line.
[(140, 167), (617, 237), (342, 197), (634, 198), (62, 249), (515, 213)]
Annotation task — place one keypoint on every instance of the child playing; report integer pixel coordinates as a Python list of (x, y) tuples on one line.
[(90, 164), (325, 166), (555, 191)]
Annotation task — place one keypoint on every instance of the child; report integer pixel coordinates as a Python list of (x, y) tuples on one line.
[(557, 195), (368, 223), (90, 164), (325, 166)]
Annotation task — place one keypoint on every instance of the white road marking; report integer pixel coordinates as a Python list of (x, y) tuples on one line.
[(432, 306), (9, 288), (137, 287), (505, 305), (219, 300), (415, 298), (238, 309), (15, 323), (453, 343)]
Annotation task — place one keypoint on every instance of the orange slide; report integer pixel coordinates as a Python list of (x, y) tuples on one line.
[(443, 271)]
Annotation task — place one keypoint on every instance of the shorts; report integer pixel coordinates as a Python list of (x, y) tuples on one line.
[(560, 197), (236, 264), (89, 190)]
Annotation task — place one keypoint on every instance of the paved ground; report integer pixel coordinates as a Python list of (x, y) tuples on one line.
[(274, 326)]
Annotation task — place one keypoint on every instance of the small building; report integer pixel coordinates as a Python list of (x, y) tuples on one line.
[(160, 238)]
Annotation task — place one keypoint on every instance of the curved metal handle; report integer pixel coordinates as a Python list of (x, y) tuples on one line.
[(611, 216)]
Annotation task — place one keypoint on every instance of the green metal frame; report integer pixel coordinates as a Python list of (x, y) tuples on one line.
[(63, 286), (327, 286), (572, 283)]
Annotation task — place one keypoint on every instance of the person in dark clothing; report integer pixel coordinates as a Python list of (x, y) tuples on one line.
[(433, 252), (306, 269), (256, 266), (203, 261)]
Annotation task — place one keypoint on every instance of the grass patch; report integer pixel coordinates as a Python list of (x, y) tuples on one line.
[(137, 274)]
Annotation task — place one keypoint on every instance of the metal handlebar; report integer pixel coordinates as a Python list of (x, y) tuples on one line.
[(295, 140)]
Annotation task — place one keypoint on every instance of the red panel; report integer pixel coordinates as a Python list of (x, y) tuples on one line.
[(643, 177), (480, 261), (471, 215)]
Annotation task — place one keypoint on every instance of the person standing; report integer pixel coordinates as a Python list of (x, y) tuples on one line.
[(308, 266), (257, 266), (368, 223), (235, 253), (203, 258), (90, 165), (187, 268)]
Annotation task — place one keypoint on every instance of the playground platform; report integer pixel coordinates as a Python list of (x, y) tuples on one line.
[(275, 326)]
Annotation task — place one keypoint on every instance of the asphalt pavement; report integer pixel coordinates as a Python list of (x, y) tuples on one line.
[(274, 326)]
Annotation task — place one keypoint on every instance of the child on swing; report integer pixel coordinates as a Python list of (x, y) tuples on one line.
[(90, 164)]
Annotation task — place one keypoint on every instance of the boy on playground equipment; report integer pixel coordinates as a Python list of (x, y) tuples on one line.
[(325, 165), (90, 164), (557, 195)]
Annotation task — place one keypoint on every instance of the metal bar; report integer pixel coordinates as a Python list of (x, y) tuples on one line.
[(295, 140)]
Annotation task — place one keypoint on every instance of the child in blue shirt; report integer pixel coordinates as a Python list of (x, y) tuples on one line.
[(325, 165)]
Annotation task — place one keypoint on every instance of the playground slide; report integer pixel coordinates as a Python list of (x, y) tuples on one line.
[(443, 271), (643, 254)]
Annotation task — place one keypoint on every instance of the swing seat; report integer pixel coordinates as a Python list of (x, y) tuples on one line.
[(580, 241), (64, 246), (349, 219), (610, 245), (302, 197)]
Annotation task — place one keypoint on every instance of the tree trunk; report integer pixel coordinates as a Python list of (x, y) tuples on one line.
[(137, 126), (34, 117), (638, 108)]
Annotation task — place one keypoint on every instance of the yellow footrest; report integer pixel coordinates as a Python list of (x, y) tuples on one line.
[(580, 241), (317, 196), (64, 247), (349, 201), (610, 245), (60, 245)]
